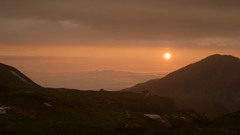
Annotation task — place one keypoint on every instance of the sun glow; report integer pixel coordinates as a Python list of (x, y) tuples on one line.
[(167, 55)]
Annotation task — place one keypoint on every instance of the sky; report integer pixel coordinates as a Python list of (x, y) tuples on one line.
[(122, 35)]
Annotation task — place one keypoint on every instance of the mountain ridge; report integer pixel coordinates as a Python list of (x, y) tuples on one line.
[(215, 77), (11, 77)]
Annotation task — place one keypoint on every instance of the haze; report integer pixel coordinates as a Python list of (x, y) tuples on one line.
[(131, 36)]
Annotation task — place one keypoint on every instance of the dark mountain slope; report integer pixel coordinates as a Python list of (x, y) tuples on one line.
[(11, 77), (50, 111), (210, 108), (216, 77)]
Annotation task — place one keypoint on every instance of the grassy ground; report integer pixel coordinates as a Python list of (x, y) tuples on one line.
[(74, 111), (90, 112)]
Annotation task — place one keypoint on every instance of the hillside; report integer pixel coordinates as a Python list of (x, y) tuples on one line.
[(216, 77), (37, 110), (11, 77), (66, 111)]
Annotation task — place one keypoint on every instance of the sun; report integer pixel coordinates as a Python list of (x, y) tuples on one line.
[(167, 55)]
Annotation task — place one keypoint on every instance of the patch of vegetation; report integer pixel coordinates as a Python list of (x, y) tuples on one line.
[(64, 111)]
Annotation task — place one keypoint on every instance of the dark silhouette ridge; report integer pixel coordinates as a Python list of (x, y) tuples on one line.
[(11, 77), (216, 77)]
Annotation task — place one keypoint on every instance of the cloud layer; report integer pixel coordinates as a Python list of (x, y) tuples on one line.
[(93, 80), (157, 23)]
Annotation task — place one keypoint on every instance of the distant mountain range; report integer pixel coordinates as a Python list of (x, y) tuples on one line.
[(210, 86), (216, 78), (11, 77), (92, 80)]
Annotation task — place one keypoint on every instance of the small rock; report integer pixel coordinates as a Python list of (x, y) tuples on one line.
[(3, 109), (47, 104)]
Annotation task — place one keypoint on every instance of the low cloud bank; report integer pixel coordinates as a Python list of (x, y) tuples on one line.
[(92, 80)]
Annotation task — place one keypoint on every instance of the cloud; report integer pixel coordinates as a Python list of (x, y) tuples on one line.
[(158, 23), (93, 80)]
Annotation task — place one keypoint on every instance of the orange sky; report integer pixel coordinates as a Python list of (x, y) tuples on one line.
[(137, 59), (133, 35)]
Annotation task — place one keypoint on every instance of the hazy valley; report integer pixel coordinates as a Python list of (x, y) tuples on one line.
[(170, 107), (92, 80), (119, 67)]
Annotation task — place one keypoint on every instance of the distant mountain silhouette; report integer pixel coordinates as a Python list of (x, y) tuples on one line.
[(11, 77), (216, 77), (92, 80)]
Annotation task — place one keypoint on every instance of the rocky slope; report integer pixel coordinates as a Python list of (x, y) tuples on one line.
[(11, 77)]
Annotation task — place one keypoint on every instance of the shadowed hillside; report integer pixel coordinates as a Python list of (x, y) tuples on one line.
[(216, 77), (66, 111), (11, 77), (36, 110)]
